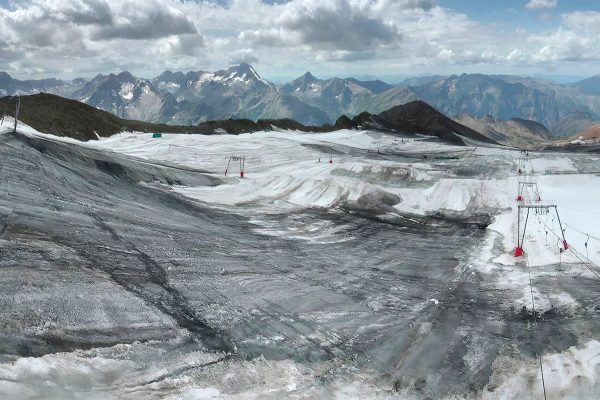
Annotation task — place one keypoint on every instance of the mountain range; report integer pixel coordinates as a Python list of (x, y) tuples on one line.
[(60, 116), (514, 132), (193, 97)]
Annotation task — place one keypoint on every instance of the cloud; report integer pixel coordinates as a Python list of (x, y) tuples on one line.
[(541, 4), (573, 40), (514, 55), (345, 56), (82, 12), (145, 20), (87, 34), (56, 22), (272, 37), (244, 56), (366, 36), (336, 25), (185, 44)]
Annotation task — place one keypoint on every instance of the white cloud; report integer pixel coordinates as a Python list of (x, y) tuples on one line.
[(541, 4), (149, 19), (244, 56), (574, 40), (62, 35), (514, 55), (336, 25), (359, 36)]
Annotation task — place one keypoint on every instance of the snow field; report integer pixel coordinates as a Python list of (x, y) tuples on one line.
[(282, 175)]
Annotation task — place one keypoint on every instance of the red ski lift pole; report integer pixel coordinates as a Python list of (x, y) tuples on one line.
[(521, 240)]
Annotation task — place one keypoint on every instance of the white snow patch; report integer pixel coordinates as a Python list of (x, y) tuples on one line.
[(572, 374), (126, 91)]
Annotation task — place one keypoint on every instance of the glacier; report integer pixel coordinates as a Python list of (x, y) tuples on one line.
[(132, 267)]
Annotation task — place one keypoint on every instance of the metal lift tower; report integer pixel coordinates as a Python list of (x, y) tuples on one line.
[(539, 207)]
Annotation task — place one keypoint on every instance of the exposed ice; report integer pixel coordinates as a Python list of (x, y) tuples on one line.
[(312, 321)]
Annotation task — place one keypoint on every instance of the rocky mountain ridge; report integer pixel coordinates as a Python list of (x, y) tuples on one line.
[(189, 98), (59, 116)]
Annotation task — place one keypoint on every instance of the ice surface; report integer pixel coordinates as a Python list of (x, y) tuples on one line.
[(373, 276)]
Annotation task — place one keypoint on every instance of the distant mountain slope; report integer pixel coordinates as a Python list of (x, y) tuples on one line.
[(515, 132), (65, 117), (375, 86), (421, 80), (481, 95), (532, 126), (592, 132), (123, 95), (555, 106), (240, 92), (349, 96), (60, 116), (390, 98), (10, 86), (420, 117), (574, 122), (589, 86), (335, 96), (415, 117)]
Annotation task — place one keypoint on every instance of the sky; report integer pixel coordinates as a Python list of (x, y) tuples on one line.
[(282, 39)]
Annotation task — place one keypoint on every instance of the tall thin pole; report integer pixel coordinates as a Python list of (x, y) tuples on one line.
[(518, 226), (525, 227), (17, 113), (227, 167), (561, 229)]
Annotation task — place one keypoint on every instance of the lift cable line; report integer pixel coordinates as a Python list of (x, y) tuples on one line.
[(587, 240), (585, 234), (577, 254), (535, 325), (526, 204)]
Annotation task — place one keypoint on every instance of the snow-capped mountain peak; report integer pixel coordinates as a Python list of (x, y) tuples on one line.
[(306, 83), (245, 73)]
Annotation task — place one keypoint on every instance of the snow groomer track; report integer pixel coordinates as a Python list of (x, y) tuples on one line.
[(133, 268)]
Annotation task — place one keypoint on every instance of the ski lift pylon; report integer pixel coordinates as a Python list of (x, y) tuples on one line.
[(521, 237), (328, 151), (242, 164), (17, 110)]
